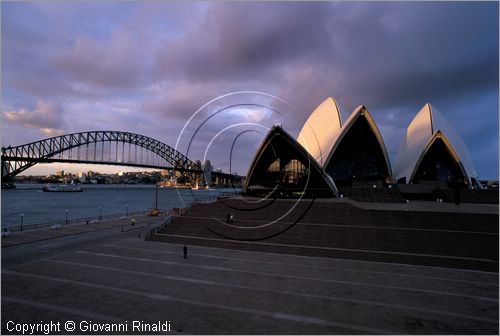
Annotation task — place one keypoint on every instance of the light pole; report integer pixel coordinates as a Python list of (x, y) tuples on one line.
[(156, 199), (126, 210), (22, 218), (100, 212), (66, 211)]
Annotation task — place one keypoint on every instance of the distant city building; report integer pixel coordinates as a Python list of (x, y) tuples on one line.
[(82, 177), (207, 173)]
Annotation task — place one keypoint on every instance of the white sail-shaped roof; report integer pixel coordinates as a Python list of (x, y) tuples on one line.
[(428, 125), (288, 147), (320, 131), (361, 111)]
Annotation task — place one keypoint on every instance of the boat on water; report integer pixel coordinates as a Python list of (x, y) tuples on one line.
[(8, 185), (62, 188), (197, 187)]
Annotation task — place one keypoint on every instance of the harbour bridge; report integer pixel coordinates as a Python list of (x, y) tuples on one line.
[(98, 147)]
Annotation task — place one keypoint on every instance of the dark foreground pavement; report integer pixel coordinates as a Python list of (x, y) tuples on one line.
[(94, 281)]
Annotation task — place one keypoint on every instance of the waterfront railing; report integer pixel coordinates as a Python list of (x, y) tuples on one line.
[(171, 213), (73, 221)]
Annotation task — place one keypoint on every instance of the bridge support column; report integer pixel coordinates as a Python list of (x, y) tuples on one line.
[(6, 172)]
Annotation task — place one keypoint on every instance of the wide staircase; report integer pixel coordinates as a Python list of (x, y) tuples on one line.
[(340, 230), (480, 196), (473, 196), (373, 194)]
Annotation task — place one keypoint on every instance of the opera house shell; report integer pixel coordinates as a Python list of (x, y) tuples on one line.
[(359, 153), (432, 150), (321, 130), (328, 154), (282, 167), (350, 152)]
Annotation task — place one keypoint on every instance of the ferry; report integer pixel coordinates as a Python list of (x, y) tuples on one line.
[(62, 188), (8, 185)]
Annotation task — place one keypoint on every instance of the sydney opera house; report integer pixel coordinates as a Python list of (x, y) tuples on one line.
[(329, 154)]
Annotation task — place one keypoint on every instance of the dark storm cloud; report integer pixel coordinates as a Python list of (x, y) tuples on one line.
[(244, 40), (435, 51), (379, 53), (149, 66)]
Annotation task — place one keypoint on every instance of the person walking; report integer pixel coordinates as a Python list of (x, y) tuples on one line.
[(185, 252)]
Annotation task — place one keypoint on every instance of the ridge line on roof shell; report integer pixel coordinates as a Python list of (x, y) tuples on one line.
[(321, 129)]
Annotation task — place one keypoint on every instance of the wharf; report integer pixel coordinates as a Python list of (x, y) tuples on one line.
[(63, 230)]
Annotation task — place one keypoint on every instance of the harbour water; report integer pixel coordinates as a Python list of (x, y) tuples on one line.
[(96, 200)]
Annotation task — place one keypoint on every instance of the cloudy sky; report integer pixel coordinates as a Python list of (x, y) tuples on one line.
[(148, 67)]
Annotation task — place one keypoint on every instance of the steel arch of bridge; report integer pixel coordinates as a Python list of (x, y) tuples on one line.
[(19, 158)]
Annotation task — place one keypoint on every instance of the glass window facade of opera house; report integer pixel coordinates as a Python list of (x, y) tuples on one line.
[(283, 168), (438, 164), (359, 156), (328, 153)]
